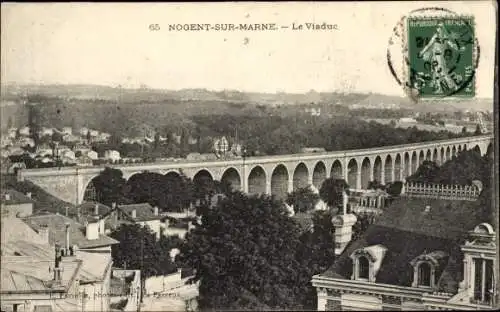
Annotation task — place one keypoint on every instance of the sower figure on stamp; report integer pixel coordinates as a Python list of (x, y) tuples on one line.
[(436, 52)]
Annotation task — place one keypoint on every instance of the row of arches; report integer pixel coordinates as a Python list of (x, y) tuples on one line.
[(281, 180)]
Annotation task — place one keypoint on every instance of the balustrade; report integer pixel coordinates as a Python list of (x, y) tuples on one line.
[(453, 192)]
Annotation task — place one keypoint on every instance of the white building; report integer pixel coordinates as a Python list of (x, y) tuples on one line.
[(112, 155), (67, 130), (24, 131)]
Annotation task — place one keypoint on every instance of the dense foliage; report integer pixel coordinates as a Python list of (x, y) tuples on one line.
[(466, 167), (139, 249), (110, 187), (302, 199), (249, 254), (331, 192)]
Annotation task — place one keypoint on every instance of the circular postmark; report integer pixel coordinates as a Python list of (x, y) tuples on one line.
[(437, 53)]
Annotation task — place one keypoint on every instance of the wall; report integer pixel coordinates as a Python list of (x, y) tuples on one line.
[(452, 192), (23, 210)]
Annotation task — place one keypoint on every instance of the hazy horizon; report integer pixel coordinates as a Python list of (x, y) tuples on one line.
[(2, 85), (110, 45)]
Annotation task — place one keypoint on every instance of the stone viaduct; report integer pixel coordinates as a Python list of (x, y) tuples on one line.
[(275, 175)]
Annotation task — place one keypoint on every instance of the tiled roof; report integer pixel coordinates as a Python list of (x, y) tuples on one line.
[(94, 266), (88, 209), (27, 274), (14, 229), (16, 198), (407, 231), (57, 231), (143, 211)]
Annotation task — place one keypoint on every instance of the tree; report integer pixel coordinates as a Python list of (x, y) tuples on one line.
[(362, 223), (395, 188), (478, 130), (139, 250), (317, 252), (375, 185), (426, 169), (331, 192), (110, 186), (56, 136), (157, 140), (302, 199), (246, 247)]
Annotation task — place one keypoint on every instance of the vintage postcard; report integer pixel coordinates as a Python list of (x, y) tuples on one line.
[(323, 156)]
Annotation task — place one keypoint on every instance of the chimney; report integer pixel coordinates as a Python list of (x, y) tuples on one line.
[(134, 214), (43, 232), (57, 275), (155, 210), (345, 200), (7, 196), (78, 214), (28, 194), (96, 209), (67, 246)]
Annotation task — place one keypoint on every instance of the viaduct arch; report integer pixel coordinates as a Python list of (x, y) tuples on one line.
[(276, 175)]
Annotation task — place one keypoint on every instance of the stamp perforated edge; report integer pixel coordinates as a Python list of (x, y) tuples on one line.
[(405, 52)]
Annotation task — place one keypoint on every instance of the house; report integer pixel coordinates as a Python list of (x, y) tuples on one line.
[(420, 254), (33, 278), (407, 120), (83, 131), (86, 236), (143, 214), (92, 154), (87, 242), (12, 133), (16, 203), (112, 155), (67, 131), (44, 150), (102, 137), (24, 131), (72, 138), (46, 132), (26, 142), (67, 154), (93, 133), (61, 237)]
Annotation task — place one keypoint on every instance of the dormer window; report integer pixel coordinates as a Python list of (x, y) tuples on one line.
[(363, 268), (366, 262), (427, 268), (424, 274)]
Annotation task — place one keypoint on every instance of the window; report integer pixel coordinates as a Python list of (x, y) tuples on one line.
[(363, 267), (483, 280), (424, 274)]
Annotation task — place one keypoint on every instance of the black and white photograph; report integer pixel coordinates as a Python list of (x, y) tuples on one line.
[(249, 156)]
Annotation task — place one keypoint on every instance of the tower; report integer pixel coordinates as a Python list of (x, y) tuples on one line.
[(343, 226)]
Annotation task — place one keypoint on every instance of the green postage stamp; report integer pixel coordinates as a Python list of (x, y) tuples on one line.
[(442, 56)]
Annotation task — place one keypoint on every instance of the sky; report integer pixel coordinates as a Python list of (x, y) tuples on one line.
[(111, 44)]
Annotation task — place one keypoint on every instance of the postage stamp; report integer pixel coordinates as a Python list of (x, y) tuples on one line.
[(441, 56)]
